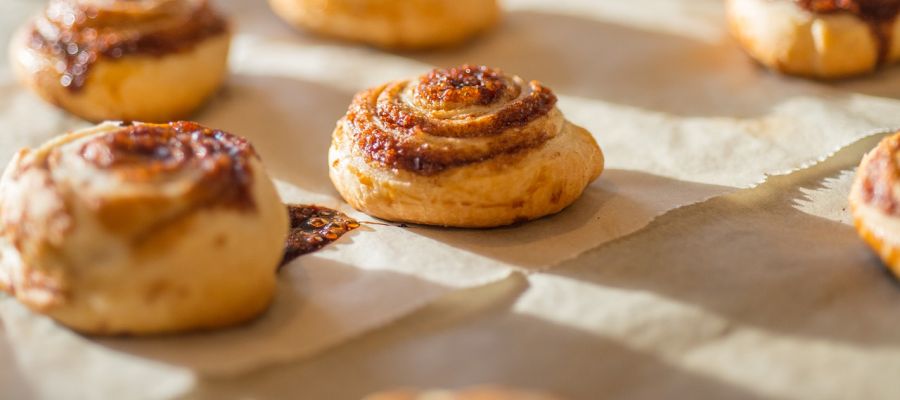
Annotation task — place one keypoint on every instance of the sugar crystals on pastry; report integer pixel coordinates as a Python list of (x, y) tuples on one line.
[(463, 147), (407, 24), (138, 60), (818, 38), (141, 229)]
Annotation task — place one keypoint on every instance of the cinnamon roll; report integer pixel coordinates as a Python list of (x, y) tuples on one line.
[(462, 147), (131, 60), (408, 24), (875, 201), (818, 38), (141, 229)]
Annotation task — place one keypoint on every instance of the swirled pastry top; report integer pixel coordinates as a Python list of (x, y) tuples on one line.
[(872, 10), (880, 177), (132, 177), (218, 162), (79, 32), (451, 117)]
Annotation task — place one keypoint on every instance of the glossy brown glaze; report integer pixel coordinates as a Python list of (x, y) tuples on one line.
[(881, 175), (79, 35), (312, 228), (879, 14), (146, 153), (466, 85), (392, 124)]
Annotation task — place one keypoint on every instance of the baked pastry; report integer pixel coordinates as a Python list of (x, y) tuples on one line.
[(462, 147), (875, 201), (141, 229), (407, 24), (818, 38), (476, 393), (130, 60)]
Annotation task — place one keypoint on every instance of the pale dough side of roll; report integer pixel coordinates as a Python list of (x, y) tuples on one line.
[(407, 24), (785, 37), (500, 191), (133, 88)]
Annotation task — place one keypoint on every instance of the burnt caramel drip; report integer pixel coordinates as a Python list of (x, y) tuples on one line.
[(881, 174), (80, 37), (146, 153), (880, 15), (312, 228), (392, 133)]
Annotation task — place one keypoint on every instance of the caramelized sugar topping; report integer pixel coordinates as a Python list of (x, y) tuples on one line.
[(78, 33), (312, 228), (414, 125), (149, 153)]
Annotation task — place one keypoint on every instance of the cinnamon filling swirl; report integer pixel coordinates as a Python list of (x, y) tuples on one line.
[(459, 87), (77, 33), (150, 153), (881, 176), (451, 117), (880, 15)]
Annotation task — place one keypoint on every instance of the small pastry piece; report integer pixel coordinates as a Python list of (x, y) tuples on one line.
[(141, 229), (818, 38), (407, 24), (875, 201), (131, 60), (461, 147), (476, 393)]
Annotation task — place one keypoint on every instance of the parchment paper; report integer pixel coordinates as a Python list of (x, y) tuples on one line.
[(766, 293), (744, 296), (681, 114)]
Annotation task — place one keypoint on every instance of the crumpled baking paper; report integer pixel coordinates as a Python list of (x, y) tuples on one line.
[(765, 293), (681, 114)]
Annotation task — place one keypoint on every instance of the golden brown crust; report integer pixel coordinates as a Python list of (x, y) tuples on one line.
[(408, 24), (889, 253), (819, 39), (463, 147), (141, 229), (124, 60)]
